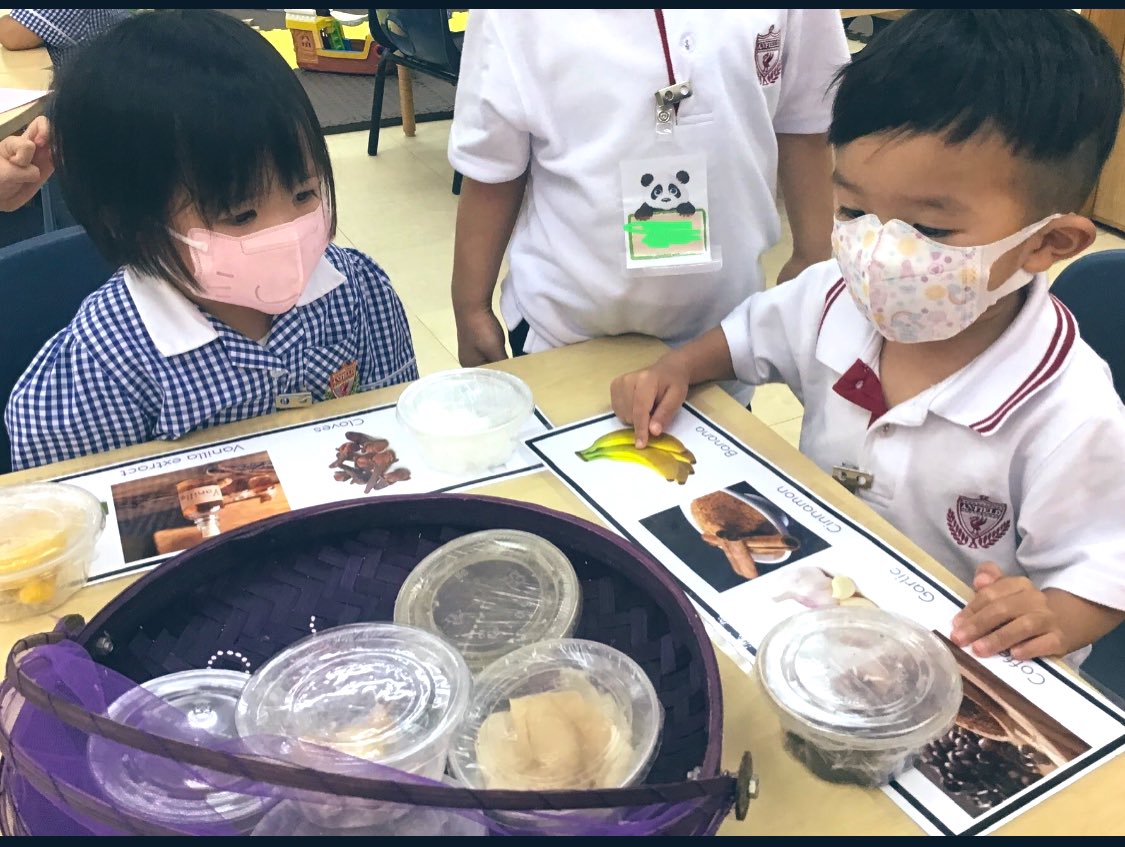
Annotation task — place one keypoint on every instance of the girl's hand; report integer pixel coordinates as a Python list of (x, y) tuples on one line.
[(650, 398), (1008, 613)]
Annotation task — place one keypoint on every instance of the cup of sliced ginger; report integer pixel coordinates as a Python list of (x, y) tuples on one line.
[(48, 532)]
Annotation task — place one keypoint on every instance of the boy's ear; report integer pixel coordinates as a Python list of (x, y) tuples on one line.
[(1061, 239)]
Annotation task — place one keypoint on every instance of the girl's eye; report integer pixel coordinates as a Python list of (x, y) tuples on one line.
[(930, 232), (305, 196), (844, 213), (243, 218)]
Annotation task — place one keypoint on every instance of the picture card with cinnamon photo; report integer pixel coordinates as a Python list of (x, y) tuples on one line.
[(733, 535)]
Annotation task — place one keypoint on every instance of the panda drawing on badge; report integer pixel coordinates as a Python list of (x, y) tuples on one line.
[(668, 195)]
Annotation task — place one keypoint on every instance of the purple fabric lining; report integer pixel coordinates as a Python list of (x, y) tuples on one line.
[(51, 772)]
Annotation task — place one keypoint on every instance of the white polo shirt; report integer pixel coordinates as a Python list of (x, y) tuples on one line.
[(1018, 458), (570, 92)]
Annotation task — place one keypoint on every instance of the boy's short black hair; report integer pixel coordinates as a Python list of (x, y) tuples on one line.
[(1044, 80), (171, 106)]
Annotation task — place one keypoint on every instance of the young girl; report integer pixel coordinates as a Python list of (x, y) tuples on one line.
[(191, 154)]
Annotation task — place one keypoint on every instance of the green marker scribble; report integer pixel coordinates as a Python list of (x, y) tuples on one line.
[(662, 234)]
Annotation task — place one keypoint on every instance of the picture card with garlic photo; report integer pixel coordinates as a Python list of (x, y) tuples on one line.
[(751, 546), (733, 535)]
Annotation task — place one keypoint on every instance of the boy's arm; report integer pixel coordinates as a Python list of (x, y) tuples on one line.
[(770, 337), (649, 399), (15, 36), (804, 173), (1011, 613), (486, 215), (1072, 550)]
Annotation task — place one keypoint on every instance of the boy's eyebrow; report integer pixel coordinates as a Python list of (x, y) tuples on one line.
[(843, 183), (940, 202)]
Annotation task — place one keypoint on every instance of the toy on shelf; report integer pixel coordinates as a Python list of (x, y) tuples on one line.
[(320, 45)]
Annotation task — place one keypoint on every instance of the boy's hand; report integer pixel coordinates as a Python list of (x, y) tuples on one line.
[(1008, 613), (480, 338), (649, 399), (25, 164)]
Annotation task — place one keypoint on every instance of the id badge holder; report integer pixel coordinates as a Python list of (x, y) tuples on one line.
[(665, 222)]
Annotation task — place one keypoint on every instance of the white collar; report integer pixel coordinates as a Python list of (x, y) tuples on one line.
[(1028, 357), (176, 325)]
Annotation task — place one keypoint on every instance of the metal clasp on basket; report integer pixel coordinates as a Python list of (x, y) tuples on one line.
[(746, 789)]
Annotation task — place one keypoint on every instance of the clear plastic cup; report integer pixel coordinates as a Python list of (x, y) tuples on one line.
[(157, 789), (466, 420), (859, 691), (563, 714), (492, 592), (48, 532), (366, 692)]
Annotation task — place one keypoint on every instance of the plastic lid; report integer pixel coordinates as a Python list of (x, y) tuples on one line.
[(860, 678), (492, 592), (463, 402), (555, 715), (376, 691), (153, 787), (43, 524)]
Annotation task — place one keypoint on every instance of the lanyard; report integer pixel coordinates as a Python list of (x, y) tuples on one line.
[(668, 99), (664, 44)]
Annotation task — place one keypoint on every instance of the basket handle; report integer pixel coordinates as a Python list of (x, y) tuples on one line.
[(740, 788)]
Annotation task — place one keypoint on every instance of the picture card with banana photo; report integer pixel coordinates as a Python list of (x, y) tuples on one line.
[(752, 547)]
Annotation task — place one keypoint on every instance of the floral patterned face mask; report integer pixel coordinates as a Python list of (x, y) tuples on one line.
[(913, 288)]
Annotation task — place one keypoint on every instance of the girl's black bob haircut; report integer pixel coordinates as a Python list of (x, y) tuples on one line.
[(173, 107)]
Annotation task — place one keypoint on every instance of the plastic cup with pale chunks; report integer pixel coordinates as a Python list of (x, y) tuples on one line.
[(48, 532)]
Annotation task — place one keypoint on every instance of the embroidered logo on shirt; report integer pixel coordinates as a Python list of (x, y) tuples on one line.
[(342, 383), (767, 56), (977, 522)]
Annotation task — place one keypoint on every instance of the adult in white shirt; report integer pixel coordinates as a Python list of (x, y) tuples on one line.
[(548, 105)]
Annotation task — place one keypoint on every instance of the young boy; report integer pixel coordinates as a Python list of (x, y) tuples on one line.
[(550, 102), (929, 354)]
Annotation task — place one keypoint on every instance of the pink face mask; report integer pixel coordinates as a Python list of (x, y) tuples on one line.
[(914, 288), (267, 270)]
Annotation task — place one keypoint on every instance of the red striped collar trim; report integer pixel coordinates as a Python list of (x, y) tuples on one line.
[(1049, 366), (830, 298)]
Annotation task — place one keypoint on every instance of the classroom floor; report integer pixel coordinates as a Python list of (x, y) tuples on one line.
[(398, 208)]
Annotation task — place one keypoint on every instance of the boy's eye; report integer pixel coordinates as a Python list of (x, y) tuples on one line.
[(847, 214), (931, 232)]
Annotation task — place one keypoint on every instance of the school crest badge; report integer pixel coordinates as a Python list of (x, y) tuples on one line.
[(342, 382), (977, 522), (767, 56)]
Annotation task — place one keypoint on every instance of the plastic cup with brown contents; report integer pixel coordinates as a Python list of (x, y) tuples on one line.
[(860, 692)]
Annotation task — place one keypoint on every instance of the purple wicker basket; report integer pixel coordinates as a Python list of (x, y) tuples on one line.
[(243, 596)]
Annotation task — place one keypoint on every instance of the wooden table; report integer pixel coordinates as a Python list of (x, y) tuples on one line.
[(570, 384), (23, 69)]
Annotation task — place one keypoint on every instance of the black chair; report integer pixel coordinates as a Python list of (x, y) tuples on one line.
[(44, 281), (417, 39), (1093, 288)]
